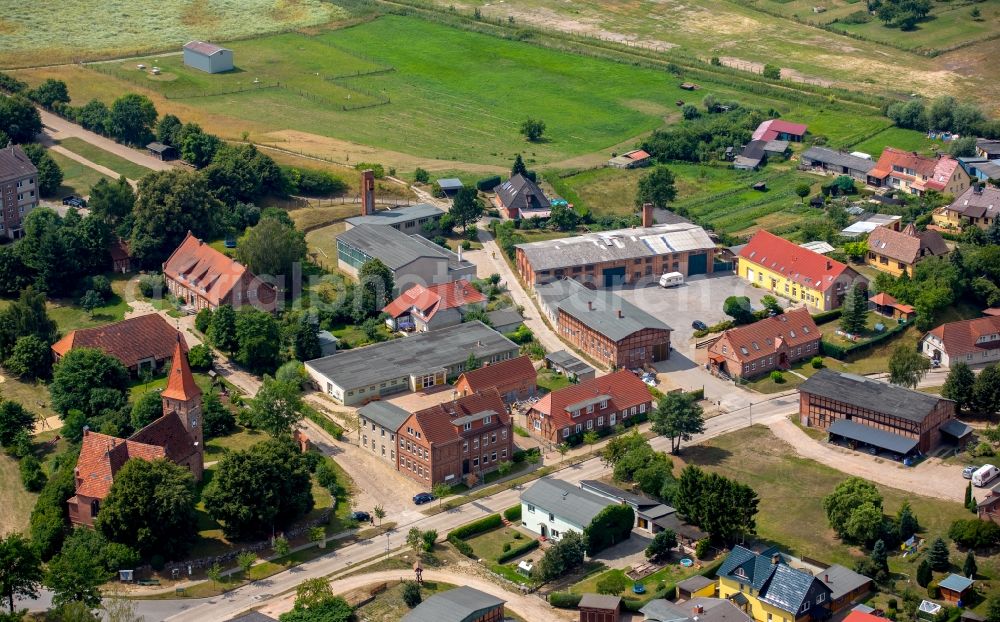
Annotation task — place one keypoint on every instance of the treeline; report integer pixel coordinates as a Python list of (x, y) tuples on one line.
[(703, 137), (943, 114)]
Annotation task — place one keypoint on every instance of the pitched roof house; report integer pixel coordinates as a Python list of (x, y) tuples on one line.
[(175, 436), (916, 174), (427, 307), (515, 379), (979, 205), (204, 278), (146, 340), (896, 252), (974, 342), (208, 57), (837, 162), (772, 343), (776, 589), (18, 189), (779, 129), (592, 404), (519, 197), (631, 159), (551, 507)]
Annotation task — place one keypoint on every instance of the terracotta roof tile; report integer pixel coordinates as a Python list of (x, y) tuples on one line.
[(168, 435), (437, 422), (202, 269), (101, 456), (430, 299), (959, 338), (511, 371), (801, 265), (624, 389), (793, 328), (130, 341), (931, 173)]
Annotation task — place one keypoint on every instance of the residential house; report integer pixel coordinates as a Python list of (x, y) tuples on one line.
[(208, 57), (429, 307), (910, 172), (766, 345), (600, 608), (765, 587), (989, 507), (978, 205), (974, 342), (412, 259), (777, 129), (752, 157), (592, 404), (650, 516), (619, 257), (956, 588), (568, 365), (696, 586), (694, 609), (142, 342), (836, 162), (515, 379), (519, 197), (551, 507), (175, 436), (846, 586), (203, 278), (897, 252), (121, 256), (461, 604), (505, 320), (631, 159), (378, 425), (885, 304), (868, 412), (448, 442), (424, 360), (19, 192), (786, 269)]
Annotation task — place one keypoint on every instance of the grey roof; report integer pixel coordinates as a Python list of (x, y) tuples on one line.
[(394, 248), (158, 147), (616, 494), (454, 263), (842, 580), (450, 183), (746, 162), (863, 608), (474, 417), (14, 164), (713, 609), (565, 360), (956, 583), (590, 401), (985, 202), (695, 583), (990, 169), (458, 605), (877, 438), (660, 610), (504, 317), (600, 601), (398, 215), (754, 150), (203, 47), (437, 349), (837, 158), (871, 394), (252, 616), (615, 245), (717, 610), (667, 217), (657, 511), (522, 193), (326, 336), (609, 314), (776, 146), (570, 503), (956, 428), (788, 588), (385, 414), (674, 523)]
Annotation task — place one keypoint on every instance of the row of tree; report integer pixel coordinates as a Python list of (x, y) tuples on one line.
[(941, 114)]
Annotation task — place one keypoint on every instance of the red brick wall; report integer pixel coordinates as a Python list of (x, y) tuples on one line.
[(447, 458), (552, 431)]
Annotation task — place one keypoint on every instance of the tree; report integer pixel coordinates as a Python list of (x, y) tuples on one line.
[(196, 146), (959, 385), (169, 204), (30, 358), (218, 420), (612, 525), (307, 346), (111, 201), (969, 568), (532, 129), (49, 93), (242, 173), (277, 407), (32, 476), (427, 540), (19, 119), (375, 289), (200, 357), (738, 308), (663, 542), (281, 547), (222, 329), (411, 594), (518, 168), (15, 420), (689, 112), (413, 539), (993, 610), (167, 129), (986, 391), (563, 449), (26, 316), (90, 301), (214, 574), (564, 556), (880, 556), (924, 573), (471, 363), (854, 310), (614, 584), (504, 468), (466, 207), (93, 116), (421, 176), (379, 512), (312, 592), (937, 555), (771, 304), (907, 367), (906, 522), (772, 71), (970, 499), (75, 574), (147, 409), (245, 561), (678, 416), (89, 380), (259, 489), (803, 191), (118, 608), (50, 176), (333, 609), (563, 218), (259, 337), (272, 248), (131, 119), (846, 499), (440, 491), (20, 569), (656, 187), (590, 437)]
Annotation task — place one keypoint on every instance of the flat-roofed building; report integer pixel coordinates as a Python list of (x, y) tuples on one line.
[(408, 219), (18, 190)]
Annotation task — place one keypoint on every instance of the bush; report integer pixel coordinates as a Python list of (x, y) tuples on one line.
[(513, 514), (564, 600), (826, 316), (476, 527), (817, 362), (411, 594), (933, 590), (151, 286), (777, 377), (701, 548), (893, 604), (376, 168), (421, 176), (516, 551), (200, 357), (463, 547), (32, 475), (487, 184), (506, 546), (974, 533)]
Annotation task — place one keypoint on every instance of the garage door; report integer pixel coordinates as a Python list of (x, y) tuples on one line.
[(614, 277), (697, 264)]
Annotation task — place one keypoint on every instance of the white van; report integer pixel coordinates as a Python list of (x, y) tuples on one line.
[(671, 279), (984, 475)]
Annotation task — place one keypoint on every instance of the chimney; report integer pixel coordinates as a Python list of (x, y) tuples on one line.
[(621, 314), (647, 214), (826, 578), (590, 305), (460, 252), (697, 610), (367, 192), (829, 265), (776, 558)]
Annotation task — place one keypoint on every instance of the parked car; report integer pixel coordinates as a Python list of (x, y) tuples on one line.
[(968, 471), (74, 201), (361, 517), (423, 497), (699, 325), (649, 379), (984, 475)]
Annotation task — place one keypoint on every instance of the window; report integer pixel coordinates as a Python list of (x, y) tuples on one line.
[(578, 427), (633, 410), (487, 419), (642, 408), (475, 443), (590, 424), (538, 424), (493, 456), (531, 508), (503, 434), (465, 447), (467, 427), (493, 437), (475, 462), (590, 409), (552, 517), (565, 432), (612, 418), (820, 597), (600, 421), (503, 454)]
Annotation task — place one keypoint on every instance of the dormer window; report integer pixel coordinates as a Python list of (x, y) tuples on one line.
[(575, 413), (467, 426), (487, 419), (604, 404), (741, 573), (590, 409)]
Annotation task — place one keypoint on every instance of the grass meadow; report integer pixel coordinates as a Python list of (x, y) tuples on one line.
[(78, 178), (99, 156)]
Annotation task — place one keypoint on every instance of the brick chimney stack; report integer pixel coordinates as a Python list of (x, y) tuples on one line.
[(367, 192), (647, 214)]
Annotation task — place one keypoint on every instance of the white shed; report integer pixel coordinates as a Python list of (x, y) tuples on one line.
[(208, 57)]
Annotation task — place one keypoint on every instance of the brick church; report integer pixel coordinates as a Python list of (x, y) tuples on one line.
[(175, 436)]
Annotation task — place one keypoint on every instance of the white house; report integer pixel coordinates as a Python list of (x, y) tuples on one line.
[(552, 507), (973, 342)]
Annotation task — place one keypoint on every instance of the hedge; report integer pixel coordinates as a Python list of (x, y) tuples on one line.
[(564, 600), (487, 184), (476, 527), (841, 352), (323, 421), (513, 514), (517, 550), (463, 547), (827, 316), (697, 394)]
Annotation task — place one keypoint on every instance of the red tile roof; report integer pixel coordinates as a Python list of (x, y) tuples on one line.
[(430, 299), (202, 269), (180, 384), (437, 422), (959, 338), (511, 371), (859, 616), (792, 328), (130, 341), (624, 389), (770, 129), (119, 250), (101, 456), (638, 154), (801, 265), (937, 171), (169, 435)]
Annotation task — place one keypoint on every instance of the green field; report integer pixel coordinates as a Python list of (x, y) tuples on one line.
[(52, 31), (77, 178), (99, 156), (948, 25), (908, 140)]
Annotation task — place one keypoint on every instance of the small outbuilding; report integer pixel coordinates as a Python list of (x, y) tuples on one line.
[(450, 186), (161, 151), (600, 608), (208, 57), (956, 588)]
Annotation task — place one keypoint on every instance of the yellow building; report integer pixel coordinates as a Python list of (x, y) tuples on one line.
[(767, 589), (788, 270), (978, 206), (897, 252)]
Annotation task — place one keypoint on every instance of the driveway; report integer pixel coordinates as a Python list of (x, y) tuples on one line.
[(55, 128)]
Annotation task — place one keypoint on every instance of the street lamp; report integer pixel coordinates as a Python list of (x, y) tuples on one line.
[(387, 546)]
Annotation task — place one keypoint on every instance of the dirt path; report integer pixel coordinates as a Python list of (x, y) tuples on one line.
[(56, 128), (84, 161)]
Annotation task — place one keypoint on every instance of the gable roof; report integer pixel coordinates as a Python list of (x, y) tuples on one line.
[(511, 371), (394, 248), (600, 601), (429, 299), (521, 193), (457, 605), (837, 158), (842, 580), (201, 268), (767, 573), (883, 299), (801, 265), (169, 434), (14, 163), (130, 341), (927, 172), (442, 423), (956, 583), (385, 414), (752, 341), (960, 338), (608, 314), (908, 245), (101, 456), (621, 388), (977, 203), (570, 503), (203, 47), (770, 129), (871, 394)]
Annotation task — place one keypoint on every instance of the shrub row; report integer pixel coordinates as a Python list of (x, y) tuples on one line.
[(698, 394), (463, 547), (825, 317), (564, 600), (513, 513), (840, 352), (521, 455), (506, 556), (322, 421), (476, 527), (488, 183)]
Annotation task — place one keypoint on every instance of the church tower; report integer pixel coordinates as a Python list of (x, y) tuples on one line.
[(183, 397)]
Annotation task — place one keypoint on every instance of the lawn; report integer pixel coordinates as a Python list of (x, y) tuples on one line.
[(242, 438), (907, 140), (105, 158), (69, 316), (551, 381), (671, 573), (17, 502), (948, 25), (489, 545), (78, 178), (140, 386), (52, 31)]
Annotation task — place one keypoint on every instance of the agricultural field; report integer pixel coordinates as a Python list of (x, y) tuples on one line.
[(948, 25), (53, 31)]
